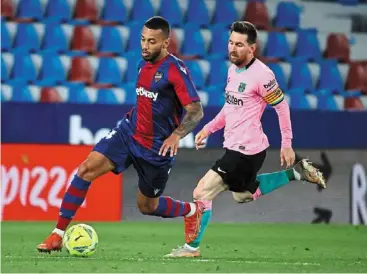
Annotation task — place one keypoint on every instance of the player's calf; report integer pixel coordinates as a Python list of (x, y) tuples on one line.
[(243, 197)]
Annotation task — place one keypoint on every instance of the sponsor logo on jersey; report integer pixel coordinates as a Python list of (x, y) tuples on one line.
[(232, 100), (140, 91), (270, 85)]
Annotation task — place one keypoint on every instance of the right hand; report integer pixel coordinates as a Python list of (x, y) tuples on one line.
[(200, 137)]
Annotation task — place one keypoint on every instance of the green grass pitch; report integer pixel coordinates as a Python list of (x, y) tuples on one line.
[(139, 247)]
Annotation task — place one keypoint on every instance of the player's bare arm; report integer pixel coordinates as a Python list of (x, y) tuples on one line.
[(194, 114)]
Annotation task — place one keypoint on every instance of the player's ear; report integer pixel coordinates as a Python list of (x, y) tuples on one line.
[(166, 43), (253, 48)]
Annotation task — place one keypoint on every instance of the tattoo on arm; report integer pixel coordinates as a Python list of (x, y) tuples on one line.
[(194, 113)]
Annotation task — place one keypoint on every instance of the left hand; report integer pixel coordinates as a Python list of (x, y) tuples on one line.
[(171, 143), (287, 156)]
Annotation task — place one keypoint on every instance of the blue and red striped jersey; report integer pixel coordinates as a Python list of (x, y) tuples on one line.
[(163, 89)]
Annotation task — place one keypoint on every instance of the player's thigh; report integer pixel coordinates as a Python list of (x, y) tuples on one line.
[(115, 147), (152, 182), (209, 186), (94, 166)]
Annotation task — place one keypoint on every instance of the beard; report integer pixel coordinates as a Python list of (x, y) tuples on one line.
[(235, 59), (152, 56)]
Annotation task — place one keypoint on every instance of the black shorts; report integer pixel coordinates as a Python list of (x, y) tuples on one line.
[(239, 171)]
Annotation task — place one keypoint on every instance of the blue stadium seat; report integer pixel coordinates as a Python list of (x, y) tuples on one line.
[(24, 68), (193, 43), (142, 10), (55, 39), (325, 100), (108, 71), (300, 76), (279, 75), (298, 99), (6, 42), (308, 45), (277, 45), (288, 15), (58, 11), (330, 77), (114, 10), (198, 13), (77, 94), (130, 93), (111, 41), (216, 96), (218, 72), (30, 9), (225, 12), (27, 38), (219, 45), (134, 39), (170, 9), (53, 71), (21, 93), (110, 96), (4, 70), (131, 73), (196, 73)]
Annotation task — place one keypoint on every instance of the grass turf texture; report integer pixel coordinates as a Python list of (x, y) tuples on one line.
[(139, 247)]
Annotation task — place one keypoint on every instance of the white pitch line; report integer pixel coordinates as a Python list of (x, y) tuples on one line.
[(166, 259)]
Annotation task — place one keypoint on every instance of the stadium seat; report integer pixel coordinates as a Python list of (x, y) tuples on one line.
[(4, 69), (26, 67), (216, 96), (81, 70), (30, 9), (330, 77), (29, 37), (22, 93), (173, 47), (111, 96), (225, 12), (277, 46), (55, 69), (337, 47), (308, 45), (279, 75), (196, 73), (218, 72), (133, 60), (170, 9), (111, 70), (57, 38), (7, 8), (50, 95), (83, 40), (257, 13), (142, 10), (6, 92), (298, 100), (356, 79), (111, 40), (133, 43), (130, 93), (193, 43), (86, 9), (287, 16), (198, 13), (58, 11), (114, 11), (78, 94), (300, 76), (325, 100), (219, 45)]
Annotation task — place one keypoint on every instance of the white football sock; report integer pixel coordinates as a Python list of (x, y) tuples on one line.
[(58, 232)]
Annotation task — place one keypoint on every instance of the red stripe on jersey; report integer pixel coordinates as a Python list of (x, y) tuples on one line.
[(144, 110), (178, 82)]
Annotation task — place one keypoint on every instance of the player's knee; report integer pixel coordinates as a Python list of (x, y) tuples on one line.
[(147, 208), (242, 197)]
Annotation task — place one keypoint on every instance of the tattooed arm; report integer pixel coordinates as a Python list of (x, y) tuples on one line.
[(194, 114)]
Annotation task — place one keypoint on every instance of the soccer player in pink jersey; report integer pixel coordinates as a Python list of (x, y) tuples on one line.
[(251, 85)]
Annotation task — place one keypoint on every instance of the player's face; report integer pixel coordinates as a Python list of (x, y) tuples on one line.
[(239, 50), (152, 43)]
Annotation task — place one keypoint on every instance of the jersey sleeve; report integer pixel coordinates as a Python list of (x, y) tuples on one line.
[(269, 89), (179, 77)]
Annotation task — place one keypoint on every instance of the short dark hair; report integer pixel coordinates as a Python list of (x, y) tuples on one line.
[(158, 22), (245, 27)]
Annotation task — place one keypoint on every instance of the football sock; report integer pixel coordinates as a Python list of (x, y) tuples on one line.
[(271, 181), (205, 219), (73, 199), (169, 208)]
